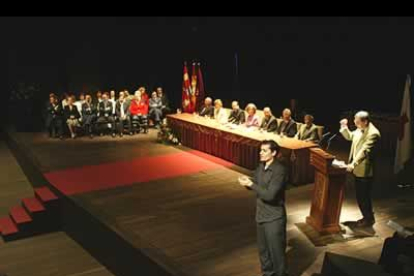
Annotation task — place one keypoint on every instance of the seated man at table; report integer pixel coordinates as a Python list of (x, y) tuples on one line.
[(237, 115), (252, 119), (288, 125), (269, 122), (308, 131), (220, 113), (208, 109)]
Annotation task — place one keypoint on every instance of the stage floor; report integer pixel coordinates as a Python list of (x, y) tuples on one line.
[(186, 211)]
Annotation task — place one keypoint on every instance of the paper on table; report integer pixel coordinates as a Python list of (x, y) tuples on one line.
[(338, 164)]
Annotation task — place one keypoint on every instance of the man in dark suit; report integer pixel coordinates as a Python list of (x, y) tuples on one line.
[(308, 131), (105, 113), (269, 122), (54, 117), (164, 101), (122, 114), (269, 183), (288, 125), (237, 115), (208, 108)]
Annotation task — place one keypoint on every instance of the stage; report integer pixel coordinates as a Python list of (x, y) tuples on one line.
[(140, 206)]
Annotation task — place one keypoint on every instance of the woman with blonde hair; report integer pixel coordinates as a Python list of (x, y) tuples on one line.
[(252, 119)]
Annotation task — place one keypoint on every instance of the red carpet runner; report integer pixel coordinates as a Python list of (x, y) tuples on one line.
[(105, 176)]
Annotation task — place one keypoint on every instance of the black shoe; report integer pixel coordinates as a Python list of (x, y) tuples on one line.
[(113, 135), (365, 222)]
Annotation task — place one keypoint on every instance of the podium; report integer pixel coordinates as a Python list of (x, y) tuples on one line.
[(328, 193)]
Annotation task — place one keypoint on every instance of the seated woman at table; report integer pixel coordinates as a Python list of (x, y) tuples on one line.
[(220, 113), (308, 131), (252, 119)]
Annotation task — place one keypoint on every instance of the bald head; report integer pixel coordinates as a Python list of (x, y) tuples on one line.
[(286, 114), (361, 119), (235, 105), (208, 101)]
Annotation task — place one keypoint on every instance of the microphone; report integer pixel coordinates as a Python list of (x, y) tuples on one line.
[(330, 139), (323, 138)]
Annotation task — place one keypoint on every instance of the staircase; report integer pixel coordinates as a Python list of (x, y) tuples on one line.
[(36, 215)]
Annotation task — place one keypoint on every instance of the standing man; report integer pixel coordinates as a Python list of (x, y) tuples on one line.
[(269, 183), (364, 140)]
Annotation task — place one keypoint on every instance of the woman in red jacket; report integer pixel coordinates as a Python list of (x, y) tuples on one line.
[(139, 112)]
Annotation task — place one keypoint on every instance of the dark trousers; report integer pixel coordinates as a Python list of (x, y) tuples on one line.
[(271, 240), (121, 125), (104, 120), (363, 187), (54, 127), (392, 248)]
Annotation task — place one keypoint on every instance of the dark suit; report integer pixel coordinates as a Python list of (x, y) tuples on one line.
[(289, 129), (269, 185), (308, 133), (88, 116), (269, 124), (71, 113), (207, 111), (118, 112), (165, 105), (105, 114), (237, 116), (54, 119)]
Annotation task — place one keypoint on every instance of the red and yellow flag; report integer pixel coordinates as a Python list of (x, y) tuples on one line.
[(186, 99)]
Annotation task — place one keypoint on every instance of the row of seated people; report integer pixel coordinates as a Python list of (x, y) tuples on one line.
[(127, 113), (249, 118)]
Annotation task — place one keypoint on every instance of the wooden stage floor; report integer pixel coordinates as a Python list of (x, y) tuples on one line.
[(202, 223)]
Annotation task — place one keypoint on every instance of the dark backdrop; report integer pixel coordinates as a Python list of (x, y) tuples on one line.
[(328, 64)]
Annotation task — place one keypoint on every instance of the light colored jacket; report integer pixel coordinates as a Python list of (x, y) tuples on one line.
[(308, 134), (362, 148)]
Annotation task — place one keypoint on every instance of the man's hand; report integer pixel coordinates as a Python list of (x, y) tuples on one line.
[(350, 167), (344, 123), (245, 181)]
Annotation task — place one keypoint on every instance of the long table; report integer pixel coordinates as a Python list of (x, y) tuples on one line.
[(240, 145)]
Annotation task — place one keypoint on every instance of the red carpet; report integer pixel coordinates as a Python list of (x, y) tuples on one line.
[(105, 176)]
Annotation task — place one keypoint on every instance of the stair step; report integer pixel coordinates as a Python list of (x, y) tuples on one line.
[(33, 205), (19, 215), (7, 226), (45, 194)]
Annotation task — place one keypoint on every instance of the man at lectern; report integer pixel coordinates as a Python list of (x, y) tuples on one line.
[(269, 183), (364, 140)]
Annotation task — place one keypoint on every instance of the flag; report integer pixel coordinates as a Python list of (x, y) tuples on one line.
[(193, 88), (186, 90), (403, 152), (201, 91)]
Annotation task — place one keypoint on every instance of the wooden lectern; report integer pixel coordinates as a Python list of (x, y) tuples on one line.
[(328, 193)]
